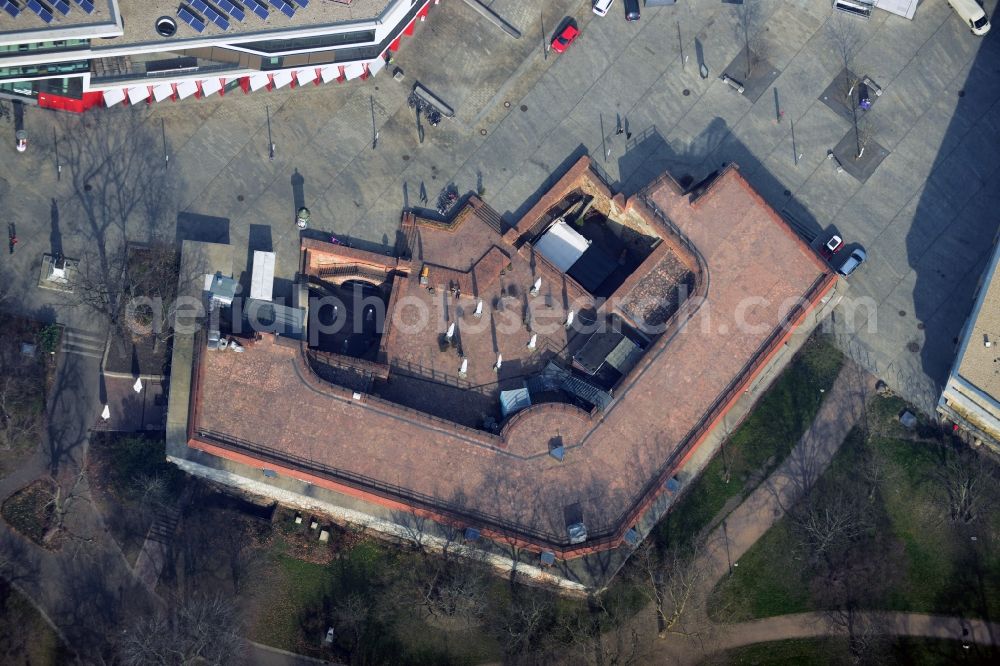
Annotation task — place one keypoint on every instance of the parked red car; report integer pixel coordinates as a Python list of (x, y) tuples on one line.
[(564, 38)]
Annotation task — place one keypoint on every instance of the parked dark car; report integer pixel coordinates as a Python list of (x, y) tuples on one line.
[(853, 262), (631, 10)]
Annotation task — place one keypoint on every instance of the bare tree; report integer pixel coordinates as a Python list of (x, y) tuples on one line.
[(456, 589), (63, 494), (671, 582), (604, 635), (351, 617), (121, 192), (750, 20), (18, 562), (827, 525), (132, 288), (416, 528), (519, 624), (846, 39), (965, 483), (865, 128), (197, 631), (20, 419), (866, 633)]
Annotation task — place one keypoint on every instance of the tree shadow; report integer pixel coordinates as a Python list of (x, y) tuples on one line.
[(648, 155), (202, 228), (298, 191), (55, 235)]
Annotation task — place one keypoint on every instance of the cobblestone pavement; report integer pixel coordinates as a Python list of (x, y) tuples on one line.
[(927, 215)]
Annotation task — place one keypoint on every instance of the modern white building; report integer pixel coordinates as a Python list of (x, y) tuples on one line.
[(971, 397), (76, 54)]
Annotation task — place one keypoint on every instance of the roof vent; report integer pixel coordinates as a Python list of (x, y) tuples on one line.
[(166, 26)]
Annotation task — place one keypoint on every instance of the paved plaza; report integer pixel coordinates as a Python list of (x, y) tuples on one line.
[(352, 153)]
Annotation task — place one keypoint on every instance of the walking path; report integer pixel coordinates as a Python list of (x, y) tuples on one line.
[(87, 584), (842, 409)]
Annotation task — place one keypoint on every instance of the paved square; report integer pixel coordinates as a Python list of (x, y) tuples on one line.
[(925, 215)]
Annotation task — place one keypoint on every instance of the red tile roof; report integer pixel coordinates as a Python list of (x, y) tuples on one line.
[(754, 268)]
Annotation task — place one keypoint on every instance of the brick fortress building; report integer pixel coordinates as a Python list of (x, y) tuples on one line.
[(544, 390)]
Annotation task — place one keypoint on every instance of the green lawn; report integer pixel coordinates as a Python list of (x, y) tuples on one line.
[(834, 651), (25, 637), (759, 445), (295, 598), (120, 468), (293, 585), (930, 564)]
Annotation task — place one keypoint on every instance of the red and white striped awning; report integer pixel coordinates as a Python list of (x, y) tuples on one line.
[(353, 70), (186, 89), (112, 97), (306, 75), (138, 94), (210, 87), (281, 79)]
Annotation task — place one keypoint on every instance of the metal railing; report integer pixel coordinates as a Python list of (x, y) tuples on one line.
[(417, 371), (461, 514), (354, 270)]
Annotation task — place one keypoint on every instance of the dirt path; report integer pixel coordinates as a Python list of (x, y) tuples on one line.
[(842, 409)]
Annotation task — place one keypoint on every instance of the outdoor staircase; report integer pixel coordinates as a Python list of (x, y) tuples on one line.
[(491, 218), (82, 343), (163, 528)]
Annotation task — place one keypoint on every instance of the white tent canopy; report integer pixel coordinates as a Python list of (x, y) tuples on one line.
[(562, 245)]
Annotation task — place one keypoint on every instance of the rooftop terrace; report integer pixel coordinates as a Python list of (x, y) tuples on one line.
[(749, 267)]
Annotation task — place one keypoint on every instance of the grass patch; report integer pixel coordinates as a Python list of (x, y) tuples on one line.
[(129, 458), (759, 445), (925, 562), (834, 652), (389, 604), (25, 636), (293, 585), (132, 482), (768, 582), (27, 511)]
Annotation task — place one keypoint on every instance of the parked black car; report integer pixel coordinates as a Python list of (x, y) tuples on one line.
[(631, 10)]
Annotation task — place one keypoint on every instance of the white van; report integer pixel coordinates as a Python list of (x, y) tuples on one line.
[(601, 7), (973, 15)]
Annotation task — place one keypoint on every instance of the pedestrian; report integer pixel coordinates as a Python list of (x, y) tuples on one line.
[(618, 125)]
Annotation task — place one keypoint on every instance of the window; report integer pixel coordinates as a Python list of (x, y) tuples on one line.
[(315, 42)]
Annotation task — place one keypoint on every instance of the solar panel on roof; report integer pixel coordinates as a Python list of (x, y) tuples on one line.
[(61, 5), (86, 5), (40, 9), (188, 17), (215, 17), (231, 9), (10, 8), (285, 8), (257, 8)]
